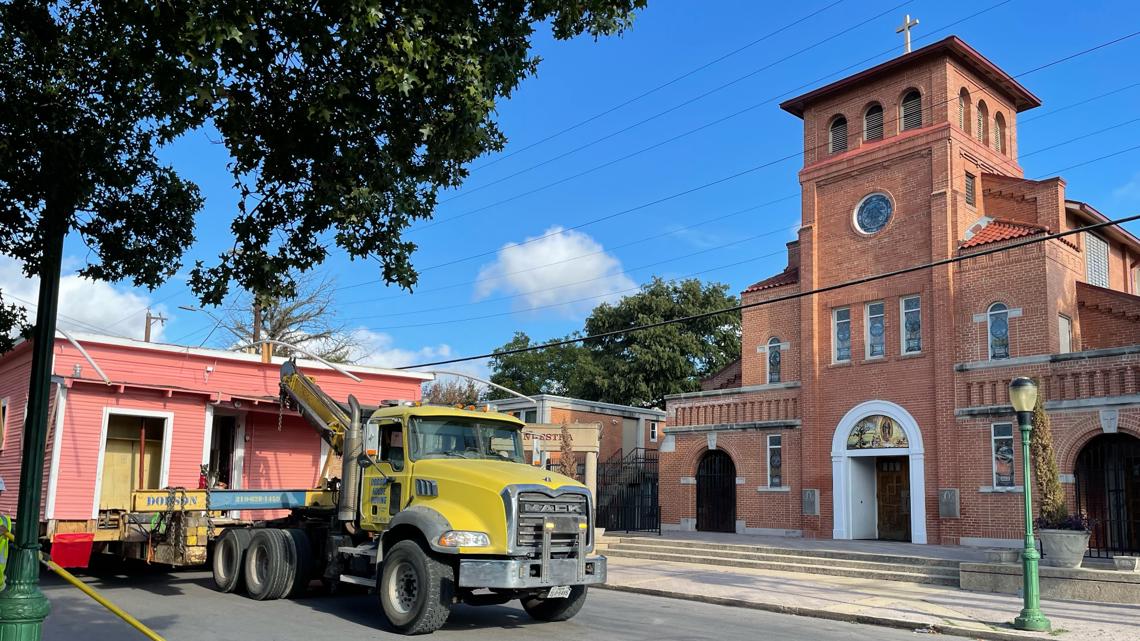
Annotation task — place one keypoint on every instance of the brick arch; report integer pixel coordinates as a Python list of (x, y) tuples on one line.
[(694, 458), (1089, 429)]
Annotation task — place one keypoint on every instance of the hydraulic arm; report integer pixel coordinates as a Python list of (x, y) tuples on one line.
[(322, 412)]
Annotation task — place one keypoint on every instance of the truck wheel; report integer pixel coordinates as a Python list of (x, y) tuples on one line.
[(416, 589), (556, 609), (301, 570), (266, 565), (229, 553)]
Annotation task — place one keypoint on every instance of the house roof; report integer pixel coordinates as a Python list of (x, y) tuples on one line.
[(953, 46), (236, 356), (1090, 213), (565, 402), (789, 276), (999, 229)]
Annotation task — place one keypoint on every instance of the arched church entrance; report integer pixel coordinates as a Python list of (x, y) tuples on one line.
[(716, 492), (1108, 492), (878, 475)]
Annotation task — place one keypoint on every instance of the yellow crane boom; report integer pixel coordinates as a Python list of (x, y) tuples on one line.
[(322, 412)]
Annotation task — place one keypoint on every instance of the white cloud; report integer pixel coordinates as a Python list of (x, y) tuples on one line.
[(380, 350), (554, 267), (1129, 191), (84, 305)]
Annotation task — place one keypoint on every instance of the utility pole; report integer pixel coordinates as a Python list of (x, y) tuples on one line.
[(150, 320), (266, 348), (23, 607)]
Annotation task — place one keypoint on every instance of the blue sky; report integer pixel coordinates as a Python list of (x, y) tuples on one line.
[(474, 305)]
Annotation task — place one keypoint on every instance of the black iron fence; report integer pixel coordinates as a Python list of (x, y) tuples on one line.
[(1108, 492), (627, 492)]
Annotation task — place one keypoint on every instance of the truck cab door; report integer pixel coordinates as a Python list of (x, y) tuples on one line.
[(385, 487)]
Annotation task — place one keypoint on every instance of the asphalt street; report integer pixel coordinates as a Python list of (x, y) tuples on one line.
[(184, 606)]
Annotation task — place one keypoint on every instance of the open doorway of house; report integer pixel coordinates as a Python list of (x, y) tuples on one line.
[(221, 466), (132, 458)]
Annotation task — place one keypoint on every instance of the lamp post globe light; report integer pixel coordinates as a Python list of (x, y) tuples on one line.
[(1023, 397)]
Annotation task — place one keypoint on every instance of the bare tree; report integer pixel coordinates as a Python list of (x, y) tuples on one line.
[(452, 391), (307, 320)]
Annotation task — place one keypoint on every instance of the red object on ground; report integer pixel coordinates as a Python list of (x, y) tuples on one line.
[(72, 550)]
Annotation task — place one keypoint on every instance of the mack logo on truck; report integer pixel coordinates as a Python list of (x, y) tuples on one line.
[(553, 508)]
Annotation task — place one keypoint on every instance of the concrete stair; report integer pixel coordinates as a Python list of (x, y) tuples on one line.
[(862, 565)]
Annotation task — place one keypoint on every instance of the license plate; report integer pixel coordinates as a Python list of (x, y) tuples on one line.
[(558, 592)]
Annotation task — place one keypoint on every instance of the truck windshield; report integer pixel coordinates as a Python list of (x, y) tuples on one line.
[(461, 437)]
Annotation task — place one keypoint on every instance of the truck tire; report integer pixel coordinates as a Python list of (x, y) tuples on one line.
[(229, 555), (556, 609), (301, 570), (266, 565), (416, 589)]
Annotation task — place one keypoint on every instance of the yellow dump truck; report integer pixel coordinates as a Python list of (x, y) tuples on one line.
[(434, 506)]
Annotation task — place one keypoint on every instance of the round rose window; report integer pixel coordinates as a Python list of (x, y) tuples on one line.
[(873, 213)]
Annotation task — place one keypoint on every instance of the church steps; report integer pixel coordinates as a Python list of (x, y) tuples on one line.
[(737, 548), (904, 569)]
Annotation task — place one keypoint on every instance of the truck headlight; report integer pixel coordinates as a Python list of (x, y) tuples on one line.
[(464, 539)]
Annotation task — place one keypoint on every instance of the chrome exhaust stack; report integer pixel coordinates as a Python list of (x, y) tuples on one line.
[(349, 502)]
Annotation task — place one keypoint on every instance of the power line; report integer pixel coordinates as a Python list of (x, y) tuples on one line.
[(1021, 123), (786, 297), (600, 296), (738, 174), (680, 105), (652, 90), (677, 136)]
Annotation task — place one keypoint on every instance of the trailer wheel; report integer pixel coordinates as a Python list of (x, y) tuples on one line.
[(266, 565), (300, 571), (556, 609), (229, 553), (416, 589)]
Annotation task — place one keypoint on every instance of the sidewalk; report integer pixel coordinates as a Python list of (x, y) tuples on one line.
[(904, 605)]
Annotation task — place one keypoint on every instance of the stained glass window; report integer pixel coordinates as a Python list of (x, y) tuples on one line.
[(1002, 445), (999, 331), (912, 325), (775, 461), (873, 213), (842, 334), (877, 432), (876, 331), (774, 360)]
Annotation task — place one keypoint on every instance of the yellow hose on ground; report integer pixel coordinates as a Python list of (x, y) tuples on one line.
[(90, 591)]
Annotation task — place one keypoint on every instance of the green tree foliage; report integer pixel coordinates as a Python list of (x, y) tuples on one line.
[(1051, 496), (637, 368), (342, 121)]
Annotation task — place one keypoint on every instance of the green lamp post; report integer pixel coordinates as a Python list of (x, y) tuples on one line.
[(1023, 396)]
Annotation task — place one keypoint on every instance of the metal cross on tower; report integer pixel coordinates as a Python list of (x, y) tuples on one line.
[(905, 28)]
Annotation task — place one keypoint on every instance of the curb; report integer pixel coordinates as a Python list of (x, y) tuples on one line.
[(816, 613)]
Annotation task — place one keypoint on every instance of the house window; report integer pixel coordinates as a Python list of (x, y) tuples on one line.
[(837, 135), (912, 110), (841, 335), (3, 422), (971, 190), (1001, 447), (998, 331), (652, 431), (527, 416), (774, 360), (1065, 330), (876, 331), (911, 314), (1096, 260), (775, 461), (999, 133), (873, 123)]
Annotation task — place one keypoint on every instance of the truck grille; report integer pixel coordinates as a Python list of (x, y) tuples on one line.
[(535, 507)]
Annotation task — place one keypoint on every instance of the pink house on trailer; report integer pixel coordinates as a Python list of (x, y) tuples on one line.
[(129, 415)]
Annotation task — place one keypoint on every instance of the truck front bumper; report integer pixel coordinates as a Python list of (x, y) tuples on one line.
[(531, 573)]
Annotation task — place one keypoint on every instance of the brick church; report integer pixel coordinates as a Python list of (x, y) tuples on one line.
[(880, 411)]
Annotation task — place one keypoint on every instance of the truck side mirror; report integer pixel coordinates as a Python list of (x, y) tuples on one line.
[(363, 460)]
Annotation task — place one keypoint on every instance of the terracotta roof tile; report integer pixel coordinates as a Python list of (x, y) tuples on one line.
[(789, 276), (999, 229)]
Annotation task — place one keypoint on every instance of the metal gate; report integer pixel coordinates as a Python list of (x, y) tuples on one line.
[(627, 492), (716, 493), (1108, 492)]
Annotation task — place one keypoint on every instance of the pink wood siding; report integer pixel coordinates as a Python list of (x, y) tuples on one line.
[(176, 382)]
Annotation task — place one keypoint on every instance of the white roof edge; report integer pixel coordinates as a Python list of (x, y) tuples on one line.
[(240, 356), (565, 400)]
